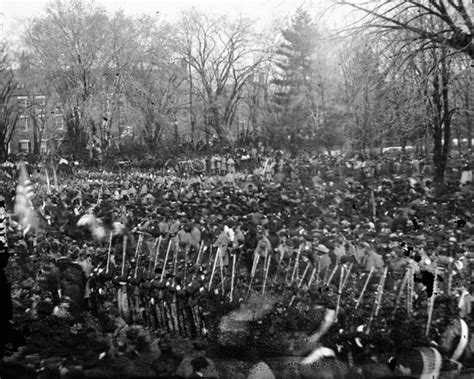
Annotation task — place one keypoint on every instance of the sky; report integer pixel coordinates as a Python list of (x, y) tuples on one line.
[(13, 12)]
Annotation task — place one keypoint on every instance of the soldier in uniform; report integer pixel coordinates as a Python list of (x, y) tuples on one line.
[(213, 165), (230, 165), (218, 164)]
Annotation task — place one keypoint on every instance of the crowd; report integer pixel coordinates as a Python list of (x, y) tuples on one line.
[(175, 250)]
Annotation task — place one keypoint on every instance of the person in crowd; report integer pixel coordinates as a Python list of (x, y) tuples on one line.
[(230, 165), (373, 260), (339, 250), (6, 315), (218, 161), (222, 244), (323, 258), (224, 168), (329, 219), (197, 364)]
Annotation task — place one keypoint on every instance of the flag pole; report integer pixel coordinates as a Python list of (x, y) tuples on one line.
[(108, 253), (157, 253), (166, 260)]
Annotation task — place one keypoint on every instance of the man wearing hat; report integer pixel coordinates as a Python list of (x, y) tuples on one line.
[(324, 259), (373, 260), (339, 250), (250, 244), (283, 250), (263, 246), (222, 243)]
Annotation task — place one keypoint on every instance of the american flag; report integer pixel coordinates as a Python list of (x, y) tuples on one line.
[(24, 209)]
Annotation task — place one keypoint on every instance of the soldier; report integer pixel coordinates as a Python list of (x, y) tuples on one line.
[(185, 238), (158, 301), (218, 164), (222, 243), (323, 257), (163, 226), (86, 264), (373, 260), (224, 169), (213, 165), (195, 234), (230, 165)]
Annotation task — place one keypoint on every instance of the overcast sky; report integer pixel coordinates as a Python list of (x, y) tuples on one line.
[(12, 12)]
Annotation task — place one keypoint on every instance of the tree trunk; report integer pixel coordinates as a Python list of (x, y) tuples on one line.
[(3, 153), (176, 134), (36, 142), (442, 119), (213, 121), (76, 133), (470, 107), (459, 137), (439, 163), (191, 111)]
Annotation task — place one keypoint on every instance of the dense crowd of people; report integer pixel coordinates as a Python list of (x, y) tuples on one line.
[(178, 247)]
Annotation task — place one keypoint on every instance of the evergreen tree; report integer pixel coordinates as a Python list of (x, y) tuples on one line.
[(294, 99)]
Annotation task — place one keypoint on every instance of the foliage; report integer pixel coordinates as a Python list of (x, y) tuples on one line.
[(294, 98)]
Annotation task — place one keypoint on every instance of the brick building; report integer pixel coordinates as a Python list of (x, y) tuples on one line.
[(40, 126)]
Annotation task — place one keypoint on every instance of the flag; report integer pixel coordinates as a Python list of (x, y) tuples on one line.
[(28, 219), (94, 225)]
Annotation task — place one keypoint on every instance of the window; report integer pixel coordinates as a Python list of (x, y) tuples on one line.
[(59, 122), (23, 101), (43, 147), (40, 101), (24, 146), (23, 123)]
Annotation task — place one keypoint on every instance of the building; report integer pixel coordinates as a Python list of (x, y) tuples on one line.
[(40, 127)]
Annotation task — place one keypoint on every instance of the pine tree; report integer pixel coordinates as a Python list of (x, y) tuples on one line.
[(294, 98)]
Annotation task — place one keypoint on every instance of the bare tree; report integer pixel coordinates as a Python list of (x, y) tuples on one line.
[(9, 108), (441, 28), (364, 82), (155, 94), (223, 55), (463, 90), (70, 45), (448, 22)]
